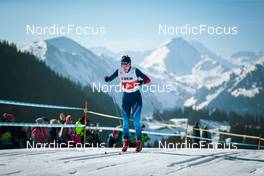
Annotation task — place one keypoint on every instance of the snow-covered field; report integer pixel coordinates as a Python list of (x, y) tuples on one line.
[(178, 162)]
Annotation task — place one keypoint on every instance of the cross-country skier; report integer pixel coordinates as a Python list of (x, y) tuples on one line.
[(131, 78)]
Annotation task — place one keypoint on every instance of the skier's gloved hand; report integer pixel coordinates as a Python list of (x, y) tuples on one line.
[(140, 82), (107, 79)]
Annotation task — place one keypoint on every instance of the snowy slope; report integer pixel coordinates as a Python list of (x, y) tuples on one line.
[(243, 91), (207, 73), (242, 58), (39, 49), (176, 56), (71, 60), (204, 70), (180, 162)]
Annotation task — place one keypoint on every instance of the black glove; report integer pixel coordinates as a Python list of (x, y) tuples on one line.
[(107, 79), (140, 82)]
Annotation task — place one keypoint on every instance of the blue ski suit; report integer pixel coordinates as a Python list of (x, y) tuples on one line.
[(131, 97)]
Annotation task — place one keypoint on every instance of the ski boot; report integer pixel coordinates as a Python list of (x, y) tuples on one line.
[(125, 145), (138, 146)]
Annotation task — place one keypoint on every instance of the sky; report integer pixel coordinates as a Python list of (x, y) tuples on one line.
[(133, 25)]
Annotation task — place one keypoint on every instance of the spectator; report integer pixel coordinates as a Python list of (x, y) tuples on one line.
[(46, 129), (6, 132), (93, 137), (80, 130), (10, 136), (39, 134), (112, 139), (144, 137), (53, 131), (62, 119), (68, 133), (196, 134)]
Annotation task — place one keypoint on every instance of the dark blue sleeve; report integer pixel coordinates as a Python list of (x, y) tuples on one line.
[(142, 76), (114, 75)]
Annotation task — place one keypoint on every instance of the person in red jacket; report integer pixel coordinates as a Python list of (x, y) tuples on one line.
[(39, 134)]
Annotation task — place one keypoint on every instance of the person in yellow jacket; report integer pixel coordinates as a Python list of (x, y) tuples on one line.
[(80, 130)]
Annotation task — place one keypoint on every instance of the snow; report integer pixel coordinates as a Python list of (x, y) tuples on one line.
[(246, 92), (215, 125), (191, 101), (208, 70), (151, 161), (39, 49), (244, 71), (71, 60), (155, 61), (209, 98), (246, 57), (210, 73), (175, 56)]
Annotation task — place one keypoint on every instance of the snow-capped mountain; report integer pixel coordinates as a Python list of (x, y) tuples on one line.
[(205, 67), (246, 57), (71, 60), (176, 57), (39, 49), (207, 70), (242, 92), (212, 82)]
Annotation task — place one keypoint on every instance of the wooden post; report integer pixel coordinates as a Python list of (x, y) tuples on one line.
[(85, 120), (186, 133), (259, 142)]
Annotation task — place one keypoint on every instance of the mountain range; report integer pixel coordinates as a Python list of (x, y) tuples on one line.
[(198, 77)]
